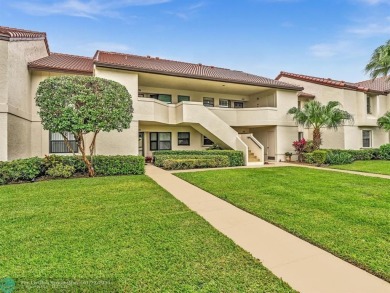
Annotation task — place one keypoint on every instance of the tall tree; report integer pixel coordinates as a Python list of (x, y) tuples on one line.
[(314, 114), (384, 122), (379, 64), (83, 106)]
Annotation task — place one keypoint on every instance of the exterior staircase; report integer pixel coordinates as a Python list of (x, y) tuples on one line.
[(203, 120)]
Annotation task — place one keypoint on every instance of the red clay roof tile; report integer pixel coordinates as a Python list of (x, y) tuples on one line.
[(16, 34), (64, 63), (362, 86), (184, 69)]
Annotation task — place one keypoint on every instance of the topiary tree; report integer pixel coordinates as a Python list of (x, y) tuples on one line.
[(83, 105), (314, 114)]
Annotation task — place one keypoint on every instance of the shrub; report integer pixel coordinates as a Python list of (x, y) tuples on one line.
[(74, 161), (299, 147), (62, 166), (359, 155), (384, 151), (193, 163), (341, 158), (308, 158), (61, 171), (309, 147), (21, 170), (236, 158), (119, 165), (319, 157)]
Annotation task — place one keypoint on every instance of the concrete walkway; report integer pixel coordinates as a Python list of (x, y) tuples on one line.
[(305, 267)]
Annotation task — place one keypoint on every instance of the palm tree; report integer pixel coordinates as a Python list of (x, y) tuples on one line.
[(384, 122), (314, 114), (379, 64)]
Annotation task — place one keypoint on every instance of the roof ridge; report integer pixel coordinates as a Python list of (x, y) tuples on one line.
[(311, 76), (70, 55), (20, 29), (149, 57)]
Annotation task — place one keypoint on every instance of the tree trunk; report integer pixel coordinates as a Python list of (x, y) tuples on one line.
[(81, 143), (316, 138)]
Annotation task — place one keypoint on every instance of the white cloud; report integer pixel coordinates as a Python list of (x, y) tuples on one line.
[(80, 8), (375, 2), (372, 29), (187, 12), (326, 50)]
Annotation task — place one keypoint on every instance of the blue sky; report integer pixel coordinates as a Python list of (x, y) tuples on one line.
[(326, 38)]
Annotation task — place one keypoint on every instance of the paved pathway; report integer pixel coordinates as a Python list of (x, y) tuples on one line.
[(305, 267)]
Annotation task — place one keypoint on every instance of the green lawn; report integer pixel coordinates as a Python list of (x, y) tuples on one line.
[(348, 215), (117, 234), (378, 167)]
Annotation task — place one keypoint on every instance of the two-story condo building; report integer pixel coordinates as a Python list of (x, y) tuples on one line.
[(177, 105), (366, 101)]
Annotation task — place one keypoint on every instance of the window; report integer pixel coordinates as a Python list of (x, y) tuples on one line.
[(183, 99), (300, 135), (238, 105), (58, 145), (208, 102), (367, 138), (160, 141), (299, 105), (224, 103), (183, 138), (163, 98), (206, 141), (369, 110)]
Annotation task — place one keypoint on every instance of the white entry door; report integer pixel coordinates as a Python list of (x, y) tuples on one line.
[(271, 145)]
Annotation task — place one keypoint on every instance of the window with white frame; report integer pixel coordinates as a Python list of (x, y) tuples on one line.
[(208, 102), (300, 135), (224, 103), (367, 138)]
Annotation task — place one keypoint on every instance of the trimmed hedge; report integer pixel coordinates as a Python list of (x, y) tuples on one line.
[(119, 165), (188, 163), (66, 166), (236, 158), (319, 157), (358, 155), (21, 170), (341, 158), (384, 151)]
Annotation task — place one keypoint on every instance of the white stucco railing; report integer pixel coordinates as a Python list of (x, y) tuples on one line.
[(253, 145), (204, 120), (252, 116)]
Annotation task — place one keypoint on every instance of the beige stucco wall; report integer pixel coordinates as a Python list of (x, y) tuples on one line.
[(195, 137), (3, 136), (15, 90), (348, 136), (196, 96)]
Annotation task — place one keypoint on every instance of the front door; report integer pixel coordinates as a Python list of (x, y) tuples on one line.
[(271, 145), (141, 144)]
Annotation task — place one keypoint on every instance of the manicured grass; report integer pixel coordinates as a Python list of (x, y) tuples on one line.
[(377, 167), (117, 234), (348, 215)]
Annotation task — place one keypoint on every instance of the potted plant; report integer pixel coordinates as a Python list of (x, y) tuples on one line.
[(148, 159), (287, 156)]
